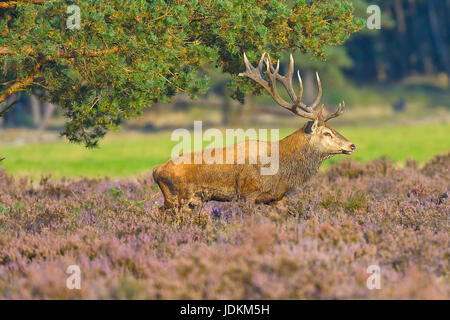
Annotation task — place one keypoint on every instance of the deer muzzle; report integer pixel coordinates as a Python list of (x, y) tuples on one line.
[(350, 149)]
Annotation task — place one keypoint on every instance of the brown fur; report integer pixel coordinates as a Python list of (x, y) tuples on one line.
[(300, 156)]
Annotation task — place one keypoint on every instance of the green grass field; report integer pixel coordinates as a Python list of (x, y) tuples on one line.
[(128, 154)]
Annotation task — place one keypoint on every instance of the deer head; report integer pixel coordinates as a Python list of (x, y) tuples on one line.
[(321, 136)]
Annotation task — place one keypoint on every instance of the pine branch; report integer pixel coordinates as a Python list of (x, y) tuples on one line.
[(20, 85), (5, 50), (66, 54), (6, 110), (12, 4)]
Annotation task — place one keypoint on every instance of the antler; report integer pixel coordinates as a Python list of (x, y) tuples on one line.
[(339, 111), (298, 107), (270, 86)]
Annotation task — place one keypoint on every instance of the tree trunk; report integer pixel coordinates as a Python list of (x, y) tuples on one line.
[(49, 109), (249, 110), (402, 58), (437, 38), (14, 117), (226, 109), (35, 105)]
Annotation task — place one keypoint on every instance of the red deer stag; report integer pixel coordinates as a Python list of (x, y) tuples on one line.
[(299, 154)]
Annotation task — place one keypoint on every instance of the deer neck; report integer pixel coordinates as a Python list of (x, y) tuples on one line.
[(299, 160)]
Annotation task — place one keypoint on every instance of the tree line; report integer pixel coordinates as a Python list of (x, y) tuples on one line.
[(414, 39)]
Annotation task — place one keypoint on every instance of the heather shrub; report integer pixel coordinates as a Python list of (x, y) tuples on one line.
[(440, 165), (317, 244), (352, 169)]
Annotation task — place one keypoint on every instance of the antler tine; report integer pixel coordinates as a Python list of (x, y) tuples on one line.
[(300, 83), (286, 80), (298, 102), (305, 113), (254, 73), (261, 61), (272, 76), (290, 72), (271, 87), (319, 95), (277, 69), (339, 111), (248, 67)]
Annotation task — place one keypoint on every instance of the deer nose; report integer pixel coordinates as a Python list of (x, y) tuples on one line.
[(353, 147)]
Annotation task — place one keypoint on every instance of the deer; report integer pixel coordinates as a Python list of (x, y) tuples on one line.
[(300, 154)]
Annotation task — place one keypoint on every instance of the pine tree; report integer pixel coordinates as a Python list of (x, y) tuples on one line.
[(127, 55)]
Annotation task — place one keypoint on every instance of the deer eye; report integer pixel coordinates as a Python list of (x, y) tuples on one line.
[(327, 134)]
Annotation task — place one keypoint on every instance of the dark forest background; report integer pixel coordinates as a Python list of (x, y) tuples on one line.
[(414, 39)]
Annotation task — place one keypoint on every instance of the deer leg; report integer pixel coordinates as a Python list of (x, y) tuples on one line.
[(251, 198), (195, 202), (248, 186), (283, 201), (170, 200)]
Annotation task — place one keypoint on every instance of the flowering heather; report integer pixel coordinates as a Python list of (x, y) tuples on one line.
[(317, 244)]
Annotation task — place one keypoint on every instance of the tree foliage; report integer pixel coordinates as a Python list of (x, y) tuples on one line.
[(130, 54)]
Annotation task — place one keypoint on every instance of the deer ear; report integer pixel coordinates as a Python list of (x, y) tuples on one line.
[(314, 126)]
